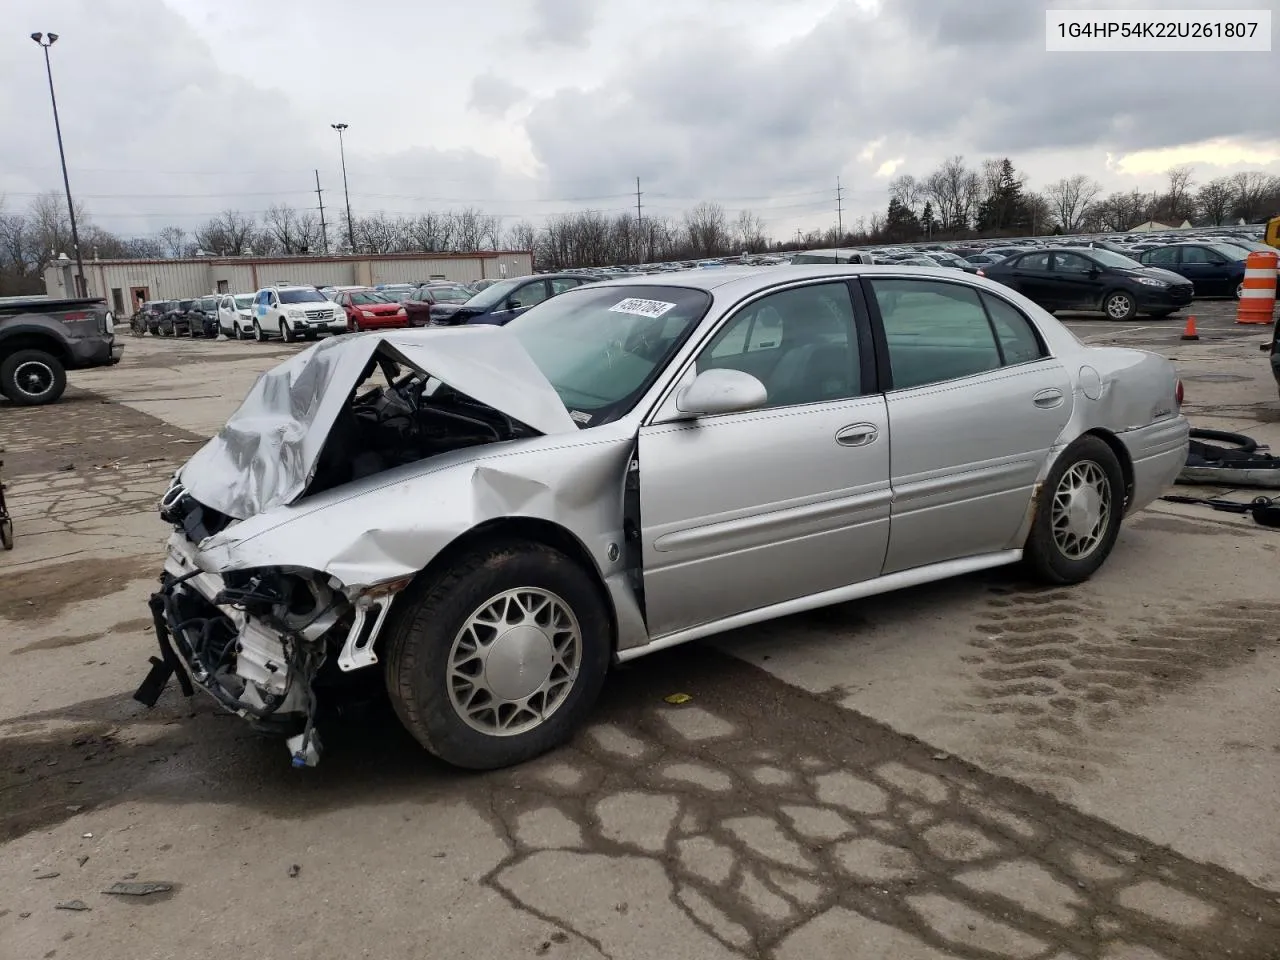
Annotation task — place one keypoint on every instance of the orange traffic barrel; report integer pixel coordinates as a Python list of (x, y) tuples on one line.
[(1258, 292)]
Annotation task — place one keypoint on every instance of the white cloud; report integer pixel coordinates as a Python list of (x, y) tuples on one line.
[(888, 168)]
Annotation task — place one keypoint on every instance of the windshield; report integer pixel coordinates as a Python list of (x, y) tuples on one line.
[(244, 301), (369, 297), (492, 296), (302, 296), (1109, 258), (602, 347)]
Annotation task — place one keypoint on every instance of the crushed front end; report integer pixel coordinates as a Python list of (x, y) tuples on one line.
[(260, 641)]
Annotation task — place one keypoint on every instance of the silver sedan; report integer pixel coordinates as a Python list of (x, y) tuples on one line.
[(492, 517)]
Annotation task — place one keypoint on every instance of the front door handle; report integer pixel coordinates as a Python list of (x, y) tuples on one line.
[(1047, 399), (857, 435)]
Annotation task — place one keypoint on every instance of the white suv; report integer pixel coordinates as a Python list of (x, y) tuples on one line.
[(293, 312)]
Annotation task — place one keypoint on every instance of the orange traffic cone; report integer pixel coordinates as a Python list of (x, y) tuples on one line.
[(1189, 333)]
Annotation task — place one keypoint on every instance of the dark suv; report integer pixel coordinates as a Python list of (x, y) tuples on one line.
[(202, 317), (153, 311), (175, 321), (42, 338)]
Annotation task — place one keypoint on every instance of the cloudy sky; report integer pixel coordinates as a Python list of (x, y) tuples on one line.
[(173, 110)]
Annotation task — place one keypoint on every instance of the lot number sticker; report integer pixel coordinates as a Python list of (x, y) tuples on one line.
[(642, 308)]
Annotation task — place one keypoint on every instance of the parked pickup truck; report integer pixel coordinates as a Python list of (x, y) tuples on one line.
[(41, 338)]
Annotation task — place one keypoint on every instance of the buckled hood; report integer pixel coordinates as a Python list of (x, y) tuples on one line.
[(267, 453)]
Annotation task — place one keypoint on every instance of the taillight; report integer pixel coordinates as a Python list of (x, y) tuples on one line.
[(1177, 393)]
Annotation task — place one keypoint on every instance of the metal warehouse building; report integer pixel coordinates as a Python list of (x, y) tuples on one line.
[(126, 283)]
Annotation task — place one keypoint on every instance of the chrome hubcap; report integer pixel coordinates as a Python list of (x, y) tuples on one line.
[(33, 378), (1081, 510), (1118, 306), (514, 662)]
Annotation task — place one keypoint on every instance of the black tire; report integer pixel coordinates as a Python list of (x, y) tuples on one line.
[(428, 617), (6, 533), (32, 378), (258, 333), (286, 331), (1042, 555), (1130, 310), (1238, 441), (355, 326)]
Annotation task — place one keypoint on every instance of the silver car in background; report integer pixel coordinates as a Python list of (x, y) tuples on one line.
[(491, 517)]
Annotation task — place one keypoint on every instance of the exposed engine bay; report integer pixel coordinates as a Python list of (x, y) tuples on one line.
[(263, 641)]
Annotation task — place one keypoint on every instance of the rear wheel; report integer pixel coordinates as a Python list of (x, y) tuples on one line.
[(32, 378), (499, 658), (1078, 517), (1119, 305)]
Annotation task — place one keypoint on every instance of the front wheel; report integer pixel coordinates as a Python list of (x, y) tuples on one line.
[(1119, 305), (286, 331), (499, 658), (258, 333), (1078, 517)]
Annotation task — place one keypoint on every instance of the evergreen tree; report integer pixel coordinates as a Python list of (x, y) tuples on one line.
[(900, 224)]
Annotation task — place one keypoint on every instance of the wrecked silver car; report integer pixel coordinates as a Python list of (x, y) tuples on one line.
[(485, 519)]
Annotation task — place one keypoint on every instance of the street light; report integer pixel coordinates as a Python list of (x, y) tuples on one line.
[(46, 41), (342, 150)]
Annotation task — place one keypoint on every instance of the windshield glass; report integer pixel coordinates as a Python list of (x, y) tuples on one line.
[(368, 297), (814, 258), (602, 347), (492, 296), (1109, 258), (302, 296), (244, 301)]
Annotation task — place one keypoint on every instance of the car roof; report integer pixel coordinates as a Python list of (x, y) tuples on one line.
[(746, 280)]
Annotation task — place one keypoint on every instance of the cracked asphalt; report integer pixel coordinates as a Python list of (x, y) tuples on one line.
[(978, 769)]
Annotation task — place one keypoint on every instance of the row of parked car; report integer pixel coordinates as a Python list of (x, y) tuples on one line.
[(300, 312)]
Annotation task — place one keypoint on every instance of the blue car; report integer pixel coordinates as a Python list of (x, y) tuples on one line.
[(1214, 269), (505, 300)]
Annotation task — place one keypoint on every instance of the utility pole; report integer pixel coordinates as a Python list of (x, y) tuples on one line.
[(324, 230), (639, 226), (82, 289), (839, 211), (342, 150)]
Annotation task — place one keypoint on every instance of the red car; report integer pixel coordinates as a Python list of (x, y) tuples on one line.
[(370, 310), (421, 300)]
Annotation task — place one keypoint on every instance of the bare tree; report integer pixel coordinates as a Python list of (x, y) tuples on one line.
[(1039, 212), (1178, 204), (230, 234), (907, 191), (1070, 199), (1250, 190), (283, 227), (48, 221), (1214, 201), (748, 232), (173, 240), (522, 236), (705, 228), (1123, 211), (953, 189)]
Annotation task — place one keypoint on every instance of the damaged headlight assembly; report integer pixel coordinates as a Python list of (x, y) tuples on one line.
[(258, 644)]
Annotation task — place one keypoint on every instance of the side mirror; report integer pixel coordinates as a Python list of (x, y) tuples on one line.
[(721, 391), (512, 303)]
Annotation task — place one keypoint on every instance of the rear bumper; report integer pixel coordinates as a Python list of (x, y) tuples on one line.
[(95, 353), (1158, 452)]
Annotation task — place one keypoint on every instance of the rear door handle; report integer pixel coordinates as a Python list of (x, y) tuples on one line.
[(1047, 399), (857, 435)]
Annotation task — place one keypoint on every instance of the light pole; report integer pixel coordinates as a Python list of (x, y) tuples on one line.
[(342, 151), (46, 41)]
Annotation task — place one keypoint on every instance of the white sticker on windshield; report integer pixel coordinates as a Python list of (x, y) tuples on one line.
[(580, 416), (642, 308)]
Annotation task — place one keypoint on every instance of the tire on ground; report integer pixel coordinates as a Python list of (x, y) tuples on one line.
[(1043, 557), (430, 614), (19, 362)]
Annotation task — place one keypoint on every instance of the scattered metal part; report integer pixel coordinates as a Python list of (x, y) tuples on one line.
[(24, 914), (130, 876), (142, 888), (294, 870), (48, 876), (75, 807), (82, 859), (86, 836), (77, 905)]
